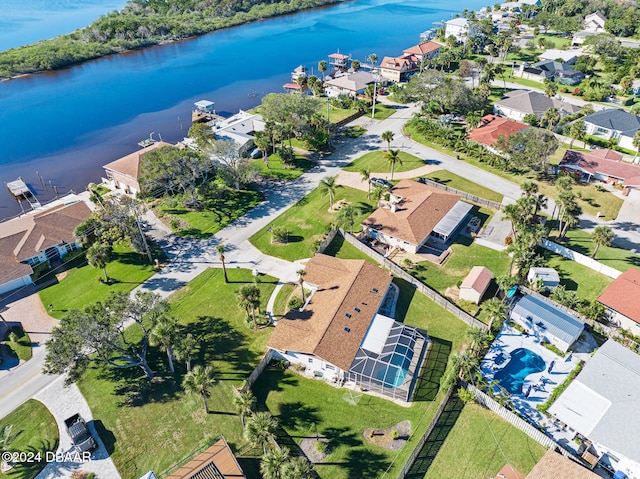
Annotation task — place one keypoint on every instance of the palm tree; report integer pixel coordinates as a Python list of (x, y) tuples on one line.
[(7, 436), (260, 429), (200, 381), (301, 274), (529, 188), (365, 174), (220, 251), (478, 338), (329, 187), (249, 299), (372, 58), (496, 310), (551, 118), (377, 192), (164, 334), (322, 67), (601, 236), (393, 157), (388, 137), (244, 404), (347, 216), (273, 462), (185, 348), (513, 213), (550, 88), (577, 131), (297, 468), (98, 255)]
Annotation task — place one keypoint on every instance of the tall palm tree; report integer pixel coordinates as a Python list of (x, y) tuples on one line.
[(249, 299), (164, 334), (329, 187), (297, 468), (200, 381), (322, 67), (260, 429), (578, 130), (365, 174), (301, 274), (185, 349), (388, 137), (478, 338), (529, 188), (220, 251), (372, 58), (347, 216), (244, 404), (7, 436), (601, 236), (496, 310), (273, 462), (98, 255), (393, 157)]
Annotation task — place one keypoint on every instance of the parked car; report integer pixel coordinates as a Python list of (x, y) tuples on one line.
[(474, 224), (79, 433), (381, 182)]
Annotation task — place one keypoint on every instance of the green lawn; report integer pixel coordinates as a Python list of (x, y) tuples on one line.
[(587, 283), (138, 418), (479, 444), (81, 286), (22, 346), (307, 221), (216, 215), (336, 115), (459, 183), (375, 162), (383, 111), (343, 250), (277, 170), (280, 307), (38, 432)]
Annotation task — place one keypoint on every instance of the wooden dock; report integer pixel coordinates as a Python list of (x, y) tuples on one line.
[(21, 191)]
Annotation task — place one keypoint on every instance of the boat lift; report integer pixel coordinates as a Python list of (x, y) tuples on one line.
[(20, 191)]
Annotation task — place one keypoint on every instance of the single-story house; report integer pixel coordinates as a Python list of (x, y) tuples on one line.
[(622, 300), (37, 237), (475, 284), (461, 29), (548, 276), (216, 462), (546, 321), (340, 336), (554, 465), (352, 84), (239, 128), (517, 104), (613, 123), (423, 51), (550, 70), (580, 37), (415, 214), (124, 173), (601, 404), (493, 127), (602, 165), (518, 5), (594, 22), (565, 56), (398, 69)]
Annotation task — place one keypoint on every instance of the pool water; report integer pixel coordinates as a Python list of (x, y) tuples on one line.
[(395, 374), (523, 363)]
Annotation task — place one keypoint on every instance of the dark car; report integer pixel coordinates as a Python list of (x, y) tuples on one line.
[(381, 182), (79, 433)]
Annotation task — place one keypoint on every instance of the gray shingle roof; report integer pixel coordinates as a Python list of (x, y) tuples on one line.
[(615, 119), (560, 324), (534, 102)]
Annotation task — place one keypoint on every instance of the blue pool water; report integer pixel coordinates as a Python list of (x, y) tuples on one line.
[(523, 363), (395, 374)]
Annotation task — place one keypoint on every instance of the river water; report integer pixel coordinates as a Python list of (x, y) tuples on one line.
[(67, 124)]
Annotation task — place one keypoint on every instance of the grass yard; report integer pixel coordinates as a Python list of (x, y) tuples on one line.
[(459, 183), (587, 283), (137, 418), (307, 221), (79, 285), (38, 432), (280, 307), (216, 215), (375, 162), (336, 115), (343, 250), (478, 443), (277, 170), (383, 111), (22, 346)]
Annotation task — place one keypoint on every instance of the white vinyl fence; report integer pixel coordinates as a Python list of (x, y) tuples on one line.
[(580, 258)]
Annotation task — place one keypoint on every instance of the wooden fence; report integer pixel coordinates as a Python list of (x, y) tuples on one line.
[(469, 197), (327, 240), (421, 287), (255, 374)]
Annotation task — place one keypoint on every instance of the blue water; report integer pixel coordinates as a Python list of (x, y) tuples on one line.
[(523, 363), (67, 124), (396, 373)]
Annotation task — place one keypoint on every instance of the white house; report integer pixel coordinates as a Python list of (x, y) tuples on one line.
[(239, 128), (566, 56), (352, 84), (460, 28), (622, 300), (517, 104), (613, 123), (595, 22), (475, 284)]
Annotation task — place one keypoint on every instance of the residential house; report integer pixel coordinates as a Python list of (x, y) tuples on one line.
[(622, 300), (550, 70), (563, 56), (519, 103), (613, 123), (415, 215), (398, 69), (339, 62), (352, 84), (216, 462), (518, 5), (461, 29), (602, 165), (601, 406), (492, 128), (546, 278), (424, 51), (124, 173), (580, 37), (475, 284), (594, 22), (341, 334), (239, 128), (546, 321), (37, 237), (554, 465)]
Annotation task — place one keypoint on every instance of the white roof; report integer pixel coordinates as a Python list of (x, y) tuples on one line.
[(452, 219), (377, 334), (566, 55), (203, 103), (547, 275), (461, 22), (580, 407)]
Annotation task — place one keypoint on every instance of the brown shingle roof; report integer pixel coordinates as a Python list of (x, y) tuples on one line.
[(130, 165), (422, 48), (623, 295), (493, 127), (397, 63), (602, 161), (343, 286), (478, 279), (508, 472), (420, 211), (554, 466), (10, 267), (217, 462)]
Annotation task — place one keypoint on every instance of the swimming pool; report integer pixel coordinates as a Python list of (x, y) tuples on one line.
[(394, 375), (523, 363)]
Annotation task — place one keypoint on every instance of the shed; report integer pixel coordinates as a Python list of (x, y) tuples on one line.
[(475, 284), (549, 277)]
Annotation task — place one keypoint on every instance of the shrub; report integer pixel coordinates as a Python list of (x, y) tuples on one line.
[(560, 389), (279, 235), (508, 240), (395, 435), (320, 446), (39, 270), (295, 303), (466, 396)]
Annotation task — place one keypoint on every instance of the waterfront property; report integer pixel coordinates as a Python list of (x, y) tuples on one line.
[(398, 69), (417, 215), (352, 84), (602, 165), (240, 128), (40, 236), (622, 300), (343, 334), (600, 408), (460, 28)]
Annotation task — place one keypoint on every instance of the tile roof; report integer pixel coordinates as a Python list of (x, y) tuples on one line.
[(478, 279), (397, 63), (343, 286), (421, 209), (493, 127), (534, 102), (130, 165), (217, 462), (615, 119), (623, 295), (595, 163), (553, 466), (422, 48)]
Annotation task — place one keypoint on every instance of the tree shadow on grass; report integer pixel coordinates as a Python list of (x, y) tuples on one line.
[(363, 462), (29, 470), (341, 436), (271, 379), (433, 368), (407, 291), (296, 415)]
